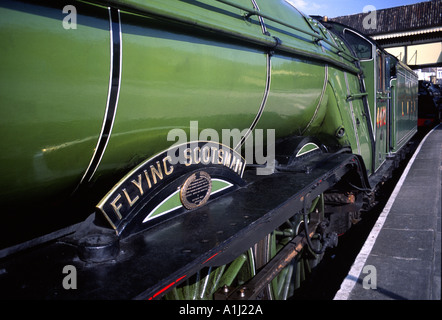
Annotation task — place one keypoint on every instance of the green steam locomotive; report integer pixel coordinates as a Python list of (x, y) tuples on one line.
[(186, 149)]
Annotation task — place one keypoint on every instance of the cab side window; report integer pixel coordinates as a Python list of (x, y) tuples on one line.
[(361, 47), (380, 70)]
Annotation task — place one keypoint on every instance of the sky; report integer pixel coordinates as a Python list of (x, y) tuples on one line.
[(335, 8)]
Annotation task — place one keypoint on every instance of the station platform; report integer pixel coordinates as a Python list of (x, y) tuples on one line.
[(401, 258)]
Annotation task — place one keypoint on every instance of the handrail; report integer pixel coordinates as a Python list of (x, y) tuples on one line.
[(253, 12), (356, 96), (318, 37), (143, 7)]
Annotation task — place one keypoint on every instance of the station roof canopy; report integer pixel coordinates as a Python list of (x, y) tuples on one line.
[(403, 21)]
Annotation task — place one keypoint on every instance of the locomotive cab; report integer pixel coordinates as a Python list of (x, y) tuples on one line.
[(391, 93)]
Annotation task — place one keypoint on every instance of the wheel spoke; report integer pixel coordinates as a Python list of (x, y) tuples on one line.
[(206, 282)]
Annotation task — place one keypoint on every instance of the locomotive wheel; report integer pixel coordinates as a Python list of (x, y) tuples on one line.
[(208, 281), (291, 277), (204, 284)]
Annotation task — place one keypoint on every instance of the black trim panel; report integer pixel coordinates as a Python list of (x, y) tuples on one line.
[(113, 93)]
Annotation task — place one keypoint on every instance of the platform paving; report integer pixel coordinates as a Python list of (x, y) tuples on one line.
[(401, 258)]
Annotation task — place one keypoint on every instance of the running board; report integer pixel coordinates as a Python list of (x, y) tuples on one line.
[(151, 263)]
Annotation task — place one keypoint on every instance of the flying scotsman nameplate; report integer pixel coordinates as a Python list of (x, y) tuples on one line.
[(182, 178)]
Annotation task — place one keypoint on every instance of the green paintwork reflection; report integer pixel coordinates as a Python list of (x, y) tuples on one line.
[(55, 91), (52, 97), (170, 79), (294, 95)]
